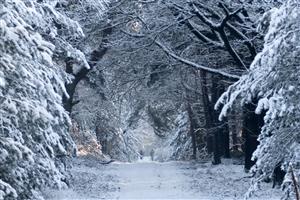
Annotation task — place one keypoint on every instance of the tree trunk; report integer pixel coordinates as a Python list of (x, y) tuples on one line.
[(222, 127), (234, 132), (213, 136), (96, 55), (216, 154), (207, 112), (251, 130), (226, 141), (193, 126)]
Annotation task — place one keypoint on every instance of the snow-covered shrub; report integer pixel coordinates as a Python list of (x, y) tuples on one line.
[(103, 118), (117, 141), (274, 80), (181, 142), (178, 144)]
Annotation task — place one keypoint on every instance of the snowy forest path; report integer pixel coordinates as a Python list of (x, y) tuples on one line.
[(145, 179), (155, 180), (140, 180)]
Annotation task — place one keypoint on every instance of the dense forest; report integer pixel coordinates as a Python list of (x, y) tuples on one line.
[(193, 81)]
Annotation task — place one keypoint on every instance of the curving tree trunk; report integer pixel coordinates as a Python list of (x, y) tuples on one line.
[(95, 56)]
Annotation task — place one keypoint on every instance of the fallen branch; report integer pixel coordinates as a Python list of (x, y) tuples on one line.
[(106, 163)]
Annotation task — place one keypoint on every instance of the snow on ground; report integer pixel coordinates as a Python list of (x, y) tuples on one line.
[(154, 180), (227, 181)]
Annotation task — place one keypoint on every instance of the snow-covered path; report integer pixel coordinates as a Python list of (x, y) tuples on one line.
[(140, 180), (154, 180)]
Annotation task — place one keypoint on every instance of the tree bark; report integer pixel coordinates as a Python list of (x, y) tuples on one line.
[(226, 139), (96, 55), (234, 132), (213, 133), (193, 126), (251, 130), (207, 112), (216, 154)]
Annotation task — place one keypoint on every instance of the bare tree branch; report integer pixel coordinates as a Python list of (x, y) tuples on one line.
[(220, 28), (193, 27)]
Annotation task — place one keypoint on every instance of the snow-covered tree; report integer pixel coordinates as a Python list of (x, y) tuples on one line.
[(273, 79), (34, 126), (131, 66), (109, 121), (178, 145)]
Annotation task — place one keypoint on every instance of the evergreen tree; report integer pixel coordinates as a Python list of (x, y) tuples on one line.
[(274, 80), (34, 138)]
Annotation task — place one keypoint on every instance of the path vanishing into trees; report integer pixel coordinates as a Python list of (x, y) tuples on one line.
[(154, 180)]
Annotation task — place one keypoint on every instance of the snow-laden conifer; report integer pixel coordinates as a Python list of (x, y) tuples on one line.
[(34, 41), (274, 80)]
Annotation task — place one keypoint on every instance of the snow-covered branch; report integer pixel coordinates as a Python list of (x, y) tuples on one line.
[(195, 65)]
